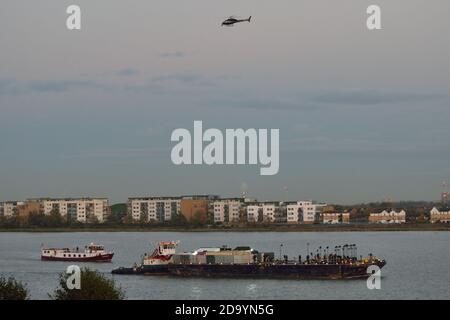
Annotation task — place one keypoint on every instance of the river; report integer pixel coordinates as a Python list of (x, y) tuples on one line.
[(418, 264)]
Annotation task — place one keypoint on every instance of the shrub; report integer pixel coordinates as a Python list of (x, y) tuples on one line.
[(10, 289), (94, 286)]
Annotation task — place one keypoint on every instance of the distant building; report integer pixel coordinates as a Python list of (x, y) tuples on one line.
[(265, 212), (28, 207), (227, 210), (254, 211), (388, 217), (303, 212), (328, 209), (154, 209), (442, 215), (335, 217), (10, 208), (196, 207), (84, 210), (269, 211)]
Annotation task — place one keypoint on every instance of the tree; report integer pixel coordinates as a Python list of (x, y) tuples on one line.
[(92, 219), (54, 219), (117, 214), (94, 286), (143, 220), (127, 219), (10, 289), (178, 220), (36, 219), (198, 218)]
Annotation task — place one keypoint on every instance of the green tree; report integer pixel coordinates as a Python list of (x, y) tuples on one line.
[(10, 289), (54, 219), (94, 286), (118, 212)]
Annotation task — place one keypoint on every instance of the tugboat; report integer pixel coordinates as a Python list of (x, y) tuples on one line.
[(91, 253), (245, 262), (155, 263)]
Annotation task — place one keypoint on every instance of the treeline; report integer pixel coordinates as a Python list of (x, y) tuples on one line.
[(114, 219)]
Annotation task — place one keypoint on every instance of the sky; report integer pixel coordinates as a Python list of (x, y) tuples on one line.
[(363, 115)]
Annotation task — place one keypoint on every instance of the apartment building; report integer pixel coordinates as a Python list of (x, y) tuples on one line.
[(227, 210), (269, 211), (303, 212), (154, 209), (388, 217), (85, 210), (254, 211), (266, 212), (442, 215), (335, 217), (10, 208)]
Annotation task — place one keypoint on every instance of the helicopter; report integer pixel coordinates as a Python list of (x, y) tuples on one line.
[(229, 22)]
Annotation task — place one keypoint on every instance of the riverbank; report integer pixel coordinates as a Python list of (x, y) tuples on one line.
[(256, 228)]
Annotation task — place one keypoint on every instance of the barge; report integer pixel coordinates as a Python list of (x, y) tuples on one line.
[(245, 262)]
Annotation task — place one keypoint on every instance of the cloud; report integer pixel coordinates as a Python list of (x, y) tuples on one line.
[(327, 100), (174, 54), (16, 87), (354, 144), (9, 86), (57, 86), (13, 86), (262, 104), (127, 72), (119, 153), (370, 97), (185, 78)]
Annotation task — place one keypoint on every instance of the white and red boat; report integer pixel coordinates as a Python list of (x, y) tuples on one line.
[(156, 263), (91, 253)]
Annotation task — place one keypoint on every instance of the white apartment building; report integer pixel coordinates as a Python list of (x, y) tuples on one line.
[(302, 212), (267, 210), (253, 212), (227, 210), (79, 209), (156, 209), (440, 216), (388, 217), (9, 208)]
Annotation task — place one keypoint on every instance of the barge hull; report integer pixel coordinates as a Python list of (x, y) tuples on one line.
[(98, 258), (270, 271)]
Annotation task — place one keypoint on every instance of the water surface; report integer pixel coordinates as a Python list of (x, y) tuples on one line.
[(418, 264)]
